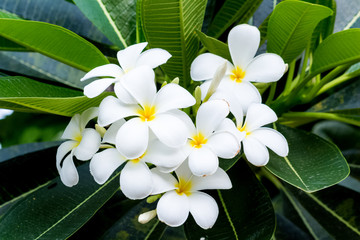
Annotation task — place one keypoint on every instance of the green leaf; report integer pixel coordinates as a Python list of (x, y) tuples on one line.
[(338, 49), (245, 211), (140, 35), (5, 44), (291, 25), (53, 41), (56, 211), (336, 209), (307, 167), (214, 46), (171, 25), (116, 19), (27, 95), (232, 11)]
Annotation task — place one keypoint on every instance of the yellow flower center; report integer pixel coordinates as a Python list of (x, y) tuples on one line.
[(244, 129), (237, 75), (183, 187), (147, 113), (77, 138), (198, 140), (136, 160)]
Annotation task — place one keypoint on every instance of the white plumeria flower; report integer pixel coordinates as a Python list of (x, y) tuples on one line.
[(205, 145), (153, 110), (135, 178), (182, 196), (83, 144), (129, 59), (253, 136), (243, 43)]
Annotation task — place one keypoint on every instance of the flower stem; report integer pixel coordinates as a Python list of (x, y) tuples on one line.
[(339, 80), (289, 79)]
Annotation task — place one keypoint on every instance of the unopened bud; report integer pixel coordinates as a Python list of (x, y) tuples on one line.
[(152, 199), (286, 67), (164, 83), (147, 216), (219, 75), (100, 130), (175, 80)]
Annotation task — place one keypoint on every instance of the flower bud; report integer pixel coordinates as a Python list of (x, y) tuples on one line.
[(147, 216)]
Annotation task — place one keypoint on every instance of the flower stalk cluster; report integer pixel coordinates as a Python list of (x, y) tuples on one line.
[(163, 151)]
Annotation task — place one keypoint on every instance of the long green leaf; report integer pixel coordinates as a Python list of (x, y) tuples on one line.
[(53, 41), (171, 25), (338, 49), (291, 25), (245, 211), (116, 19), (312, 164), (232, 11), (214, 46), (40, 97), (5, 44)]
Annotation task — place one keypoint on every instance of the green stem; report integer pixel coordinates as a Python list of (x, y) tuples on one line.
[(289, 79), (339, 80), (320, 115), (305, 62), (271, 93)]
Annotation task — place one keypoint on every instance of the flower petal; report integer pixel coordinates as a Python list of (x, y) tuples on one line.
[(123, 94), (72, 130), (172, 96), (68, 173), (259, 115), (243, 43), (204, 209), (224, 144), (267, 67), (162, 182), (104, 163), (169, 129), (209, 116), (218, 180), (273, 140), (112, 109), (183, 171), (255, 152), (132, 138), (140, 83), (245, 95), (185, 119), (108, 70), (136, 180), (153, 57), (205, 65), (173, 209), (203, 161), (161, 155), (204, 87), (89, 144), (236, 108), (96, 87), (62, 150), (129, 56), (110, 134), (229, 126), (87, 115)]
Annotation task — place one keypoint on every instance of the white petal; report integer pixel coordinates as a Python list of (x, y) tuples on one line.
[(204, 209), (255, 152), (259, 115), (272, 139), (229, 126), (110, 134), (62, 150), (136, 180), (205, 65), (153, 57), (89, 144), (236, 108), (204, 87), (72, 130), (218, 180), (243, 43), (140, 83), (132, 138), (123, 94), (169, 129), (173, 209), (246, 94), (172, 96), (87, 115), (267, 67), (108, 70), (129, 56), (209, 116), (112, 109), (163, 182), (185, 119), (104, 163), (224, 144), (161, 155), (96, 87), (68, 173), (183, 171), (203, 161)]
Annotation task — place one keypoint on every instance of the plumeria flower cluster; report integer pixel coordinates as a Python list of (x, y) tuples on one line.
[(162, 151)]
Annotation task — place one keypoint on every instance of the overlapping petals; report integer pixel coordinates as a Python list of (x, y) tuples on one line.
[(129, 59)]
